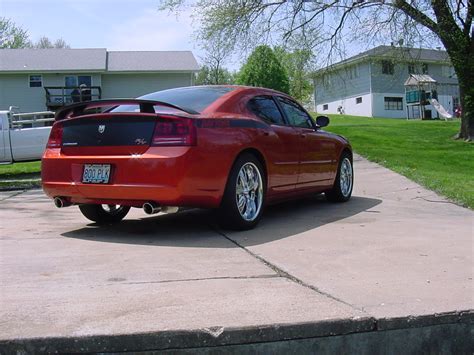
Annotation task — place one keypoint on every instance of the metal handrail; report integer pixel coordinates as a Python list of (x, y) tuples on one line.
[(18, 120), (64, 98), (40, 113)]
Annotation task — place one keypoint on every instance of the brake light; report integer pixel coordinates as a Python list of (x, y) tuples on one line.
[(56, 136), (174, 132)]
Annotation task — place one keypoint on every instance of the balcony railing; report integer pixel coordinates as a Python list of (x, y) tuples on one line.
[(59, 96)]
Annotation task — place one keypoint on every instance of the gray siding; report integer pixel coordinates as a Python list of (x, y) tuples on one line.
[(134, 85), (15, 90), (384, 83), (340, 84)]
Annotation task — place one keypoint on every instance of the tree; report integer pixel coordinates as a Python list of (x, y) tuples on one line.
[(263, 69), (213, 72), (45, 43), (61, 43), (12, 36), (297, 64), (339, 22), (208, 76)]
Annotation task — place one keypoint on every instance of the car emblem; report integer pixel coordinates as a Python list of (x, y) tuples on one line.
[(101, 128)]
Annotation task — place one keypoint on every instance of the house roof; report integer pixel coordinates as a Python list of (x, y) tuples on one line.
[(95, 60), (415, 79), (152, 61), (399, 53), (52, 59)]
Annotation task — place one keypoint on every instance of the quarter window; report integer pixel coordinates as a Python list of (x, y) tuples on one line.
[(393, 103), (36, 81), (266, 109), (295, 114)]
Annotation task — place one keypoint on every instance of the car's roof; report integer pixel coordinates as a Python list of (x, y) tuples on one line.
[(226, 98), (241, 88), (228, 103)]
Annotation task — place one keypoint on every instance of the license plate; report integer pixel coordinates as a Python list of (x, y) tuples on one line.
[(96, 173)]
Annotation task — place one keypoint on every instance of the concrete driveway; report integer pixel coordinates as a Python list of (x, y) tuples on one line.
[(393, 254)]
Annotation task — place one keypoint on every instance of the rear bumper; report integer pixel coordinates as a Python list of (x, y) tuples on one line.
[(173, 176)]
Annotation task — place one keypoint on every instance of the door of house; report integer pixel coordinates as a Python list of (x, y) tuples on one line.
[(74, 81)]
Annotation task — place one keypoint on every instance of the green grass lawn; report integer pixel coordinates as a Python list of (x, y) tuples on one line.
[(12, 170), (20, 175), (423, 151)]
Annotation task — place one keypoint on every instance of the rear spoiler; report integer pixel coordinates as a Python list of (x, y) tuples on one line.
[(146, 106)]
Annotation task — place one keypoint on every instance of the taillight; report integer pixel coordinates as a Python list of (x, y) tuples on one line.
[(56, 136), (174, 132)]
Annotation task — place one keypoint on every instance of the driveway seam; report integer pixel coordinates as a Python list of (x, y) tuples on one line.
[(13, 195), (287, 275), (268, 276)]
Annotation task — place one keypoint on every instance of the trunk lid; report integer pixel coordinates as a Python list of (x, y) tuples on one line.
[(108, 134)]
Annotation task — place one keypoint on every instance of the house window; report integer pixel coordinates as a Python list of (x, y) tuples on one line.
[(387, 67), (447, 71), (36, 81), (326, 80), (353, 72), (393, 103), (424, 68), (411, 69), (76, 80), (358, 100), (325, 107)]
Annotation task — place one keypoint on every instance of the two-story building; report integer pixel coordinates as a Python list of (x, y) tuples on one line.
[(372, 83), (44, 79)]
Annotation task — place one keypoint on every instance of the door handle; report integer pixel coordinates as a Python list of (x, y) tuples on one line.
[(266, 133), (303, 135)]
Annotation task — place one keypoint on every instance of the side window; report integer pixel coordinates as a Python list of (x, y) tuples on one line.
[(266, 109), (295, 114)]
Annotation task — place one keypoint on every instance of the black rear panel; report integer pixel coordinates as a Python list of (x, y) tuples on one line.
[(113, 131)]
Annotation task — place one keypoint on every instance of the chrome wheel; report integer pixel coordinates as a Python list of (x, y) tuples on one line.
[(249, 191), (345, 176)]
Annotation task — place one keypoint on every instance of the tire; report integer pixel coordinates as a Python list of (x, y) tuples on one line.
[(342, 189), (242, 206), (104, 214)]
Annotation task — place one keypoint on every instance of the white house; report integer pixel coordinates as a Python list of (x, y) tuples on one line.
[(40, 79), (372, 83)]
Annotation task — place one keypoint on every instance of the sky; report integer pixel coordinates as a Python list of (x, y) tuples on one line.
[(114, 25), (111, 24)]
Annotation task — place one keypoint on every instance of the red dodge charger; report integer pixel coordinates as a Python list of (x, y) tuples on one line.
[(228, 147)]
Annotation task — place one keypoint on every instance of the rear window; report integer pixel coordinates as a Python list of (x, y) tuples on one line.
[(195, 98)]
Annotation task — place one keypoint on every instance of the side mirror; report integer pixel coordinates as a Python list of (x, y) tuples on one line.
[(322, 121)]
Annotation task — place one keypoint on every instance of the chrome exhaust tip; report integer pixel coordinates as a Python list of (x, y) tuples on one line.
[(169, 209), (151, 207), (61, 202)]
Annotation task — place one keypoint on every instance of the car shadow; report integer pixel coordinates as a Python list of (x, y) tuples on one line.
[(199, 228)]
